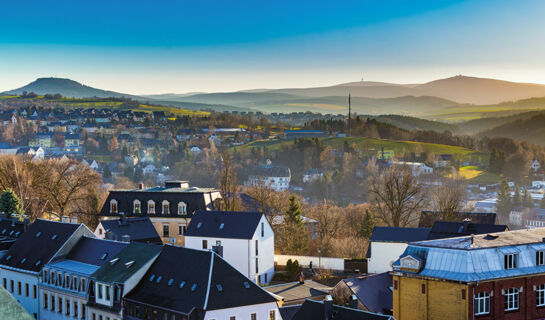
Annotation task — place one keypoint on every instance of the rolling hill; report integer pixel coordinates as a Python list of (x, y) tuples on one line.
[(526, 129)]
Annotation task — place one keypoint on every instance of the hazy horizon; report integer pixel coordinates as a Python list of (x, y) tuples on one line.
[(141, 48)]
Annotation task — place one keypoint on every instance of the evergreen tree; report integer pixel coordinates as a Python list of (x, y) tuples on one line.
[(10, 203), (517, 201), (367, 225), (107, 173), (294, 238), (527, 201), (503, 205), (294, 212)]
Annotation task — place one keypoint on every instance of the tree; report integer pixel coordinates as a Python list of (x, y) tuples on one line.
[(294, 214), (293, 237), (107, 173), (527, 201), (448, 199), (228, 185), (503, 204), (517, 202), (396, 196), (113, 145), (367, 225), (10, 203)]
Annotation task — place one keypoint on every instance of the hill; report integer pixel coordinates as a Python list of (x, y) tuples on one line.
[(526, 129)]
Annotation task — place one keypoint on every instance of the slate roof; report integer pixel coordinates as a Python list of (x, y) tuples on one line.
[(179, 280), (447, 229), (315, 310), (427, 218), (10, 231), (224, 224), (373, 291), (296, 292), (122, 269), (139, 229), (288, 312), (95, 251), (269, 171), (10, 308), (399, 234), (39, 243)]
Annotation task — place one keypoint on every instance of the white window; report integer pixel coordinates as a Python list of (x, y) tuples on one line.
[(181, 229), (166, 207), (540, 258), (182, 208), (151, 207), (540, 295), (482, 303), (136, 207), (511, 301), (113, 206), (510, 261)]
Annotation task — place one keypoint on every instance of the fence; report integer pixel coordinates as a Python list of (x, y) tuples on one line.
[(317, 262)]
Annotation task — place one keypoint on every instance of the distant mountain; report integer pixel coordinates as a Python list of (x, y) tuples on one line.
[(67, 88), (528, 129)]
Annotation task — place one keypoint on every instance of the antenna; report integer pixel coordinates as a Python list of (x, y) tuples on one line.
[(349, 117)]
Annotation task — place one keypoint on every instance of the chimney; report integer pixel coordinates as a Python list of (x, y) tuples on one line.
[(353, 303), (74, 220), (301, 278), (328, 307), (126, 238), (140, 186), (65, 219)]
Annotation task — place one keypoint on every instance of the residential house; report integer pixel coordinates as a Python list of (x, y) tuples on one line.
[(489, 276), (292, 134), (21, 266), (138, 229), (442, 161), (186, 283), (535, 165), (326, 310), (243, 239), (487, 205), (372, 292), (517, 216), (535, 218), (275, 177), (170, 208), (383, 154), (71, 140), (11, 229), (312, 175), (65, 283), (115, 279), (10, 308), (42, 140), (295, 293), (417, 168)]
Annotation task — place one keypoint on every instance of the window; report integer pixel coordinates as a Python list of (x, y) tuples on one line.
[(99, 291), (113, 206), (52, 302), (181, 229), (107, 290), (151, 207), (75, 307), (27, 289), (540, 258), (205, 244), (262, 229), (34, 292), (166, 207), (136, 208), (166, 230), (182, 208), (18, 287), (59, 305), (12, 286), (482, 303), (256, 248), (83, 287), (46, 300), (272, 315), (511, 301), (256, 265), (510, 261), (540, 295), (67, 306), (253, 316), (5, 283)]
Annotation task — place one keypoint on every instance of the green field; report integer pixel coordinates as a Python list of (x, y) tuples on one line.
[(475, 174)]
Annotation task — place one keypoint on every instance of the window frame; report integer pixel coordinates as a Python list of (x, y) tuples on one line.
[(510, 261), (481, 301), (151, 204), (136, 204), (113, 204), (165, 204), (182, 208), (511, 299), (540, 295)]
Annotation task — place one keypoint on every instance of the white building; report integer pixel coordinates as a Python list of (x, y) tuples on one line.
[(243, 239), (275, 177), (487, 205), (21, 266), (535, 165), (312, 175), (417, 168), (388, 243)]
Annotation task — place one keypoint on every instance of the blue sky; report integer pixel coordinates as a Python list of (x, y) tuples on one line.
[(164, 46)]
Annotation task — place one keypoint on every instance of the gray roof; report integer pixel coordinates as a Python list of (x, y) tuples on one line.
[(373, 291), (224, 224), (139, 229), (399, 234)]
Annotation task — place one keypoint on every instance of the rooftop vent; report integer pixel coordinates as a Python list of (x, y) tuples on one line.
[(176, 184), (182, 284), (129, 264), (114, 260)]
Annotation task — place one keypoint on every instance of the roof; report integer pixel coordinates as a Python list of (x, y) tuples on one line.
[(288, 312), (269, 171), (10, 308), (427, 218), (399, 234), (95, 251), (139, 229), (448, 229), (224, 224), (38, 245), (295, 291), (315, 310), (183, 279), (74, 266), (122, 269), (373, 291)]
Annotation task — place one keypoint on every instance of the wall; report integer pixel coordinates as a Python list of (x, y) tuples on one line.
[(261, 310), (383, 254), (48, 314), (30, 303), (325, 262), (173, 229)]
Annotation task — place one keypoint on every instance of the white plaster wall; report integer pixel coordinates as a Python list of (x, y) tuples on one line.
[(261, 311), (383, 254), (31, 304)]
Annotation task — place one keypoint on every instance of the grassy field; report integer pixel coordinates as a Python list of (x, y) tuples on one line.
[(475, 174)]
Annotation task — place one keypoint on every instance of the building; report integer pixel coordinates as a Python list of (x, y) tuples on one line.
[(417, 168), (535, 165), (11, 229), (243, 239), (534, 218), (312, 175), (292, 134), (450, 229), (186, 283), (295, 293), (428, 218), (487, 205), (65, 284), (326, 310), (442, 161), (42, 140), (170, 208), (71, 140), (22, 264), (489, 276), (115, 279), (275, 177), (372, 292), (139, 229), (10, 308), (517, 216), (388, 243), (384, 154)]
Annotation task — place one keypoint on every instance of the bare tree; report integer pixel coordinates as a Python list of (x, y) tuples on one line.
[(396, 196), (228, 184), (448, 199)]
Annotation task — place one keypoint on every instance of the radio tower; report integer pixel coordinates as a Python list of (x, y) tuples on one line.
[(349, 117)]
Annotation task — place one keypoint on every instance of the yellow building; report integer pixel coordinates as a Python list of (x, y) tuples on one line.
[(385, 154)]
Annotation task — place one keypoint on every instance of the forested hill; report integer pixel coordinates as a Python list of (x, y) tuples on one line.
[(529, 129)]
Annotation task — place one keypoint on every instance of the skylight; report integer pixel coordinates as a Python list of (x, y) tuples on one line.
[(38, 263), (193, 287), (221, 226), (170, 281), (17, 233), (4, 231), (11, 232), (219, 287), (182, 284), (199, 225), (23, 260), (114, 260), (54, 237), (104, 256), (159, 279), (129, 264), (152, 277), (246, 284), (38, 234), (8, 257)]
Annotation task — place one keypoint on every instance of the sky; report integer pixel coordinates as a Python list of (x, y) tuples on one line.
[(179, 46)]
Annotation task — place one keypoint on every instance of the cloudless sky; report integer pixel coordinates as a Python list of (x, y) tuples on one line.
[(159, 46)]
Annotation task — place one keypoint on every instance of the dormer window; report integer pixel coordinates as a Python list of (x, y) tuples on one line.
[(510, 261), (151, 207), (113, 206), (540, 258), (166, 207), (136, 207), (182, 208)]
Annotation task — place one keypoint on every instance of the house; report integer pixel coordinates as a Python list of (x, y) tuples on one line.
[(21, 266), (170, 208), (275, 177), (442, 161), (326, 310), (138, 229), (417, 168), (372, 292), (428, 217), (115, 279), (292, 134), (71, 140), (11, 229), (149, 169), (383, 154), (388, 243), (312, 175), (517, 216), (311, 225), (195, 150), (450, 229), (535, 166), (293, 293), (243, 239), (487, 205), (6, 148), (65, 285), (535, 218), (489, 276), (42, 140), (10, 308), (186, 283)]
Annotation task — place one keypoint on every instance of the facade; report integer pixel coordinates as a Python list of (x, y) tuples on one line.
[(517, 217), (492, 276), (417, 168), (442, 161), (312, 175), (244, 239), (534, 218), (170, 208), (21, 266), (186, 283), (275, 177), (384, 154)]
